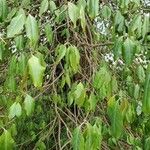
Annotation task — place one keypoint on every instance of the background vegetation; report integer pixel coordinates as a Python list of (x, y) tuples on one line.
[(74, 74)]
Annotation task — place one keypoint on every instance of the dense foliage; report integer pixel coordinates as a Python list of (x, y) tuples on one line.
[(74, 74)]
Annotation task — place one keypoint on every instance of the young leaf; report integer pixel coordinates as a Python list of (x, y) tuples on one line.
[(6, 141), (15, 110), (29, 105), (43, 7), (116, 117), (36, 70), (16, 24), (73, 12), (32, 30), (93, 8), (146, 100), (78, 140)]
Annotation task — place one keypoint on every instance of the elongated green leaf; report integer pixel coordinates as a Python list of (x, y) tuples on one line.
[(93, 8), (43, 7), (146, 100), (128, 51), (22, 64), (32, 30), (82, 18), (15, 110), (16, 25), (141, 74), (6, 141), (49, 33), (146, 24), (78, 140), (136, 24), (116, 117), (3, 10), (118, 45), (2, 49), (73, 12), (36, 70), (119, 21), (29, 105)]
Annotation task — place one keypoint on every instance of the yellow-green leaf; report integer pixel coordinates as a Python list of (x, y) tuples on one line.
[(73, 12), (6, 141), (36, 70), (16, 24), (32, 30), (29, 105)]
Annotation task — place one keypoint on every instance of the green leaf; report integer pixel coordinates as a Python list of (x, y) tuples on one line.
[(136, 91), (92, 101), (79, 94), (141, 74), (22, 64), (3, 10), (29, 104), (145, 27), (32, 30), (60, 52), (106, 12), (119, 22), (78, 140), (6, 141), (136, 24), (128, 51), (102, 82), (93, 137), (49, 33), (115, 117), (16, 25), (74, 58), (15, 110), (146, 99), (36, 70), (93, 8), (2, 50), (43, 7), (73, 12), (81, 3), (118, 45), (82, 18)]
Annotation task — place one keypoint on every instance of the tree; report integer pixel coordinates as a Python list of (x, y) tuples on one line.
[(74, 74)]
